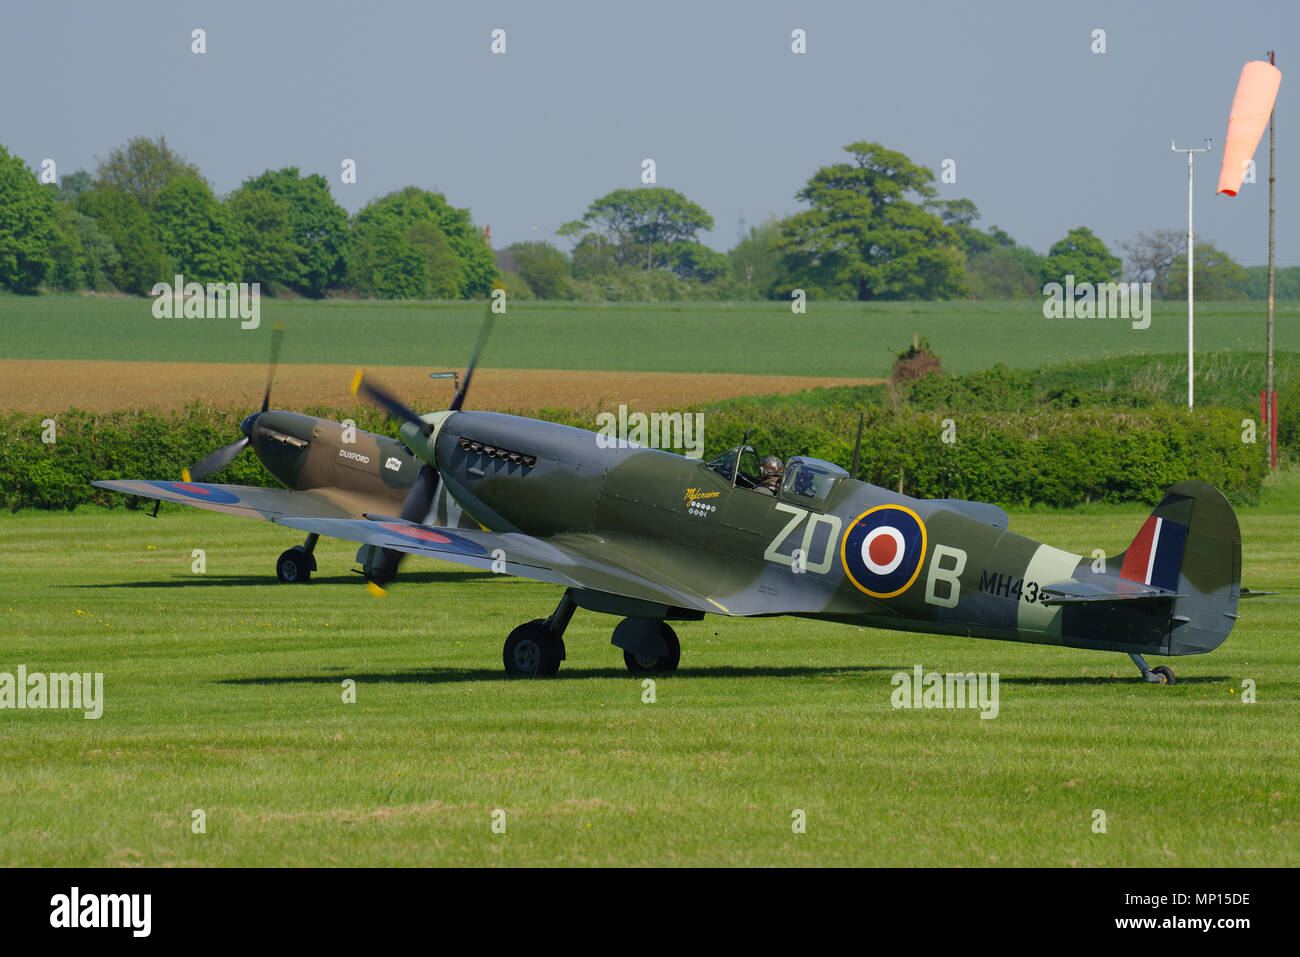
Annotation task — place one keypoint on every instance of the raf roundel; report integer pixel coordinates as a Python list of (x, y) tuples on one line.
[(883, 549)]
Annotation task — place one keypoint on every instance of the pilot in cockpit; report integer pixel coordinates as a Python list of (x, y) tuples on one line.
[(769, 476)]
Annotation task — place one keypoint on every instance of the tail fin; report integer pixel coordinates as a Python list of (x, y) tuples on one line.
[(1191, 545)]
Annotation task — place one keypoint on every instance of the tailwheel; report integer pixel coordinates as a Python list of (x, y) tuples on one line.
[(656, 664), (294, 567), (1159, 675), (533, 651)]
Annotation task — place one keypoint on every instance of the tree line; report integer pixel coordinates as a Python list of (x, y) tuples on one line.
[(874, 229)]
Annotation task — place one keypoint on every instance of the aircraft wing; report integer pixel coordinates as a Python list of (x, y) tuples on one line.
[(262, 503), (620, 565)]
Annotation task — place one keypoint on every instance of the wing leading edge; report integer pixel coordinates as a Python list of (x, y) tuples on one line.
[(261, 503)]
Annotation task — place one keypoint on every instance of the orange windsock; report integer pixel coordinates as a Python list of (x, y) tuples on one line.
[(1256, 91)]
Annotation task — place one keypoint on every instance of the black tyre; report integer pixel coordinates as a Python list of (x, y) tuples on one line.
[(656, 664), (532, 651), (294, 567), (1166, 673)]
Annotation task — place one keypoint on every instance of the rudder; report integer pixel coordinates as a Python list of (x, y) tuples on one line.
[(1191, 544)]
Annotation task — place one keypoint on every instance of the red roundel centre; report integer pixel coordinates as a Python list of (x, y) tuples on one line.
[(883, 549), (413, 532)]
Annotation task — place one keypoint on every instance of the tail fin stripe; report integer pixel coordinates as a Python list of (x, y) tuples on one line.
[(1137, 560), (1156, 554), (1155, 548)]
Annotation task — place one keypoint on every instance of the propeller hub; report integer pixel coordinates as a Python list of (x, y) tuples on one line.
[(247, 425)]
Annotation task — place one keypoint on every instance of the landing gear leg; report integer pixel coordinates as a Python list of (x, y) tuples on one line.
[(296, 565), (536, 648), (1160, 675)]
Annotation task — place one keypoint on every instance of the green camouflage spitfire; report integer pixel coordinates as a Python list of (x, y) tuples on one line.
[(651, 536)]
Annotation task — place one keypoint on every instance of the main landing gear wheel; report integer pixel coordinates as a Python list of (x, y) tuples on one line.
[(1166, 674), (294, 567), (656, 664), (533, 651)]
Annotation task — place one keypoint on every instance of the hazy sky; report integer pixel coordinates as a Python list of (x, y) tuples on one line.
[(1046, 135)]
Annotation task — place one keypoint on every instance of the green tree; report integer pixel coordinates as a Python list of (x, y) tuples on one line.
[(140, 259), (441, 267), (1217, 276), (756, 262), (1286, 282), (959, 215), (263, 224), (1151, 254), (996, 266), (1003, 272), (196, 232), (543, 267), (634, 221), (26, 226), (83, 256), (392, 261), (594, 257), (143, 168), (319, 226), (690, 260), (1082, 255), (864, 238), (73, 185), (385, 265)]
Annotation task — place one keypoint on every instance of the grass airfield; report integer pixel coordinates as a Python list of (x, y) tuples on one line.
[(224, 694)]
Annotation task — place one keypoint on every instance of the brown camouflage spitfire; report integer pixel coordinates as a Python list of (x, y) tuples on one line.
[(332, 470), (652, 537)]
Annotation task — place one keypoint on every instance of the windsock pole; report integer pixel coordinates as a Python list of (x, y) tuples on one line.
[(1190, 359), (1272, 177)]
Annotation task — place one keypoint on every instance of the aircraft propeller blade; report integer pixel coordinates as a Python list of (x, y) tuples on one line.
[(419, 499), (389, 403), (226, 454), (277, 333), (215, 460), (418, 502), (459, 399)]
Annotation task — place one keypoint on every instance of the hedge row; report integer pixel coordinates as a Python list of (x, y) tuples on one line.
[(1057, 458)]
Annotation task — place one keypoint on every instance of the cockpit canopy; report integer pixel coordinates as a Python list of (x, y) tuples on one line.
[(740, 463), (806, 480), (809, 481)]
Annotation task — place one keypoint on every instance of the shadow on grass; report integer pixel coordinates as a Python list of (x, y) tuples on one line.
[(455, 675), (446, 675), (1118, 679), (405, 578)]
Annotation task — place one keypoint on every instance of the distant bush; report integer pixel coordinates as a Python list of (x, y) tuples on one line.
[(916, 362)]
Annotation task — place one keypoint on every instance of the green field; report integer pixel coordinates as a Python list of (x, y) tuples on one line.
[(224, 690), (833, 339), (223, 693)]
